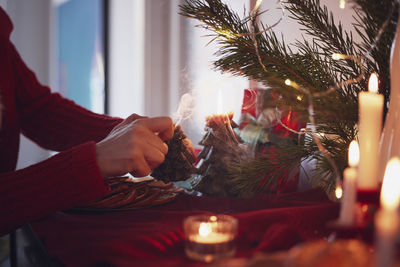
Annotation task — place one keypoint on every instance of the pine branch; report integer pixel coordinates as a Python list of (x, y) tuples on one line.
[(370, 15), (311, 67)]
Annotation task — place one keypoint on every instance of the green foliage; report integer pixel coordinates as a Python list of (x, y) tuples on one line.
[(311, 66)]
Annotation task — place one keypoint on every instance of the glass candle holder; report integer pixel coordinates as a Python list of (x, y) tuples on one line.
[(209, 238)]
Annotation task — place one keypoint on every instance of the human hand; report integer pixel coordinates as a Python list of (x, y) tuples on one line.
[(136, 145)]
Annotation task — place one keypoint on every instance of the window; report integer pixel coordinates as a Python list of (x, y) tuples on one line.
[(157, 55), (207, 85), (80, 52)]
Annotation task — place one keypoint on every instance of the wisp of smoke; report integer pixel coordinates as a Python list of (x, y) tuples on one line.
[(185, 109)]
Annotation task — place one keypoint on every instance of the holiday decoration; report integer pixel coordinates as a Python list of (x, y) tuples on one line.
[(264, 128), (127, 193), (370, 125), (348, 202), (221, 148), (319, 81), (209, 238), (178, 163)]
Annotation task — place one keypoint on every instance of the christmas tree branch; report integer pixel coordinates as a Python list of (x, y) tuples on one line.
[(329, 86)]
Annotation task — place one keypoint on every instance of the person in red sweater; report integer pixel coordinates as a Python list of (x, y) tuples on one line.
[(92, 147)]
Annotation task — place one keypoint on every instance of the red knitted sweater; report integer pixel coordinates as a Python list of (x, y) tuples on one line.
[(67, 179)]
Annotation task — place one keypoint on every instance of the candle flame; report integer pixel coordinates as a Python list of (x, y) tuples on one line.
[(342, 4), (338, 192), (390, 192), (354, 154), (373, 83), (219, 103), (204, 229)]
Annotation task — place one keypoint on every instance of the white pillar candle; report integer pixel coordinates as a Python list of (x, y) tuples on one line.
[(348, 201), (387, 218), (370, 126)]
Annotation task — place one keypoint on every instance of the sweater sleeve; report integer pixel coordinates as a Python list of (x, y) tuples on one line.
[(50, 120), (68, 179)]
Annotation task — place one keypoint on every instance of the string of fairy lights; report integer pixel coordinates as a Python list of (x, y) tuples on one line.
[(312, 124), (312, 129)]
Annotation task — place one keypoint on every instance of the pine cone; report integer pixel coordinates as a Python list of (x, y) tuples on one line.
[(221, 146), (178, 163)]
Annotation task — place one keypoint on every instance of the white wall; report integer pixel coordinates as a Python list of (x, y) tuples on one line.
[(291, 30), (31, 37)]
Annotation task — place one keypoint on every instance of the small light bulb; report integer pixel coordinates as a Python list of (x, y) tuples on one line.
[(337, 56), (339, 192), (257, 5), (288, 82), (299, 98)]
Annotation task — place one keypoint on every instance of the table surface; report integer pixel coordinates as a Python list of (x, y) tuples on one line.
[(154, 236)]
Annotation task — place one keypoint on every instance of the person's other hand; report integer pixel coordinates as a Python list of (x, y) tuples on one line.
[(136, 145)]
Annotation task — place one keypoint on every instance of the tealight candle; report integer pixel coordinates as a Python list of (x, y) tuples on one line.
[(387, 218), (370, 126), (348, 201), (210, 237)]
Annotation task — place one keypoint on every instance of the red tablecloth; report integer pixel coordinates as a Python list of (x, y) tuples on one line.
[(154, 236)]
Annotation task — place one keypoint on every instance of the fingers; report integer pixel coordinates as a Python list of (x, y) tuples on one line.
[(143, 164), (136, 145), (131, 118), (140, 168), (154, 157), (156, 142), (161, 125)]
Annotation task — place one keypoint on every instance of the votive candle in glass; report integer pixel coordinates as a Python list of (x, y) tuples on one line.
[(209, 238)]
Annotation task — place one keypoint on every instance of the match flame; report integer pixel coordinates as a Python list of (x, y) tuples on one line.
[(373, 83), (354, 154), (390, 193)]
